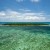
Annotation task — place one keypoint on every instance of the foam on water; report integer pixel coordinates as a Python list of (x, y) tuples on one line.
[(24, 38)]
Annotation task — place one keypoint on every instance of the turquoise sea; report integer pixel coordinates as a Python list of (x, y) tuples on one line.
[(24, 37)]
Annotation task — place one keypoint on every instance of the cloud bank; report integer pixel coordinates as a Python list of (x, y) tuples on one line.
[(15, 16)]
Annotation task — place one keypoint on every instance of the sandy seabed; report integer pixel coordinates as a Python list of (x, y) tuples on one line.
[(24, 38)]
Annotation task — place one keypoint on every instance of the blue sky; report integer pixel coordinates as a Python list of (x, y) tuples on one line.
[(24, 10)]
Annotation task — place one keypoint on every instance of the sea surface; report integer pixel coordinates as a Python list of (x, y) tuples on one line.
[(24, 22), (24, 37)]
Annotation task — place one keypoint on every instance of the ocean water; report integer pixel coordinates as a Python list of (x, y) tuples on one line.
[(25, 22), (25, 38)]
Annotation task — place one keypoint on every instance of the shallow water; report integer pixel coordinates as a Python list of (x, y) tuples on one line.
[(25, 38)]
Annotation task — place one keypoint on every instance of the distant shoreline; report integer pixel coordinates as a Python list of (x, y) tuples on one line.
[(24, 25)]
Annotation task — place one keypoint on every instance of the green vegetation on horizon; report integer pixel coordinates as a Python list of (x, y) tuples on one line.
[(29, 24)]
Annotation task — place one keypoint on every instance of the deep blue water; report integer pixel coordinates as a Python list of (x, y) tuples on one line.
[(26, 22)]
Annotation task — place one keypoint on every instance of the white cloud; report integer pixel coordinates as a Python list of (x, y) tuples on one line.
[(29, 0), (24, 10), (34, 0), (10, 15), (2, 13), (19, 0), (34, 18)]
